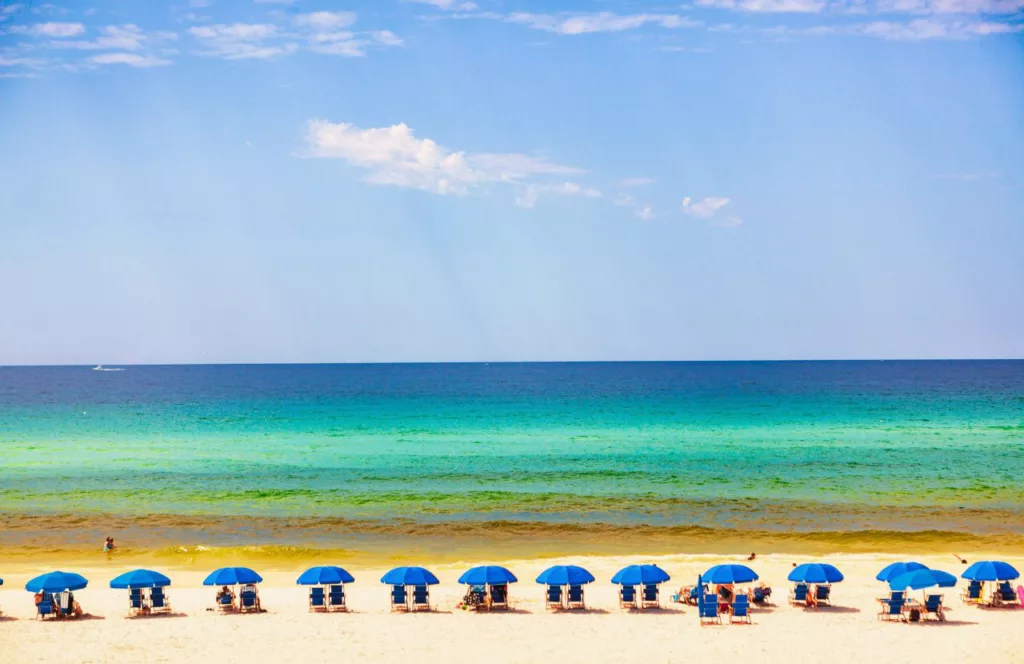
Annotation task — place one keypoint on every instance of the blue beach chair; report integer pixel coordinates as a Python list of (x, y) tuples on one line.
[(226, 603), (822, 595), (576, 597), (651, 597), (1006, 594), (933, 607), (336, 599), (158, 601), (399, 599), (709, 611), (45, 607), (972, 593), (248, 600), (317, 599), (799, 594), (627, 597), (740, 610), (499, 597), (892, 608), (134, 601), (553, 599), (421, 598)]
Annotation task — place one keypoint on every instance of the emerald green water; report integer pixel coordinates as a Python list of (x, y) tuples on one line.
[(779, 447)]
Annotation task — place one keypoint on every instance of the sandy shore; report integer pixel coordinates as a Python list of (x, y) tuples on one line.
[(849, 632)]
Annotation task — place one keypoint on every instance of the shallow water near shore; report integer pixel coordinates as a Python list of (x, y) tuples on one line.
[(380, 459)]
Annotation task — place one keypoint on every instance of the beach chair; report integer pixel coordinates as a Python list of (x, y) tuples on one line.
[(627, 597), (972, 593), (421, 598), (651, 597), (822, 595), (553, 598), (248, 601), (709, 611), (933, 607), (134, 601), (799, 594), (740, 610), (158, 601), (45, 608), (226, 603), (576, 597), (317, 600), (761, 595), (499, 597), (1006, 594), (336, 599), (399, 599), (892, 608)]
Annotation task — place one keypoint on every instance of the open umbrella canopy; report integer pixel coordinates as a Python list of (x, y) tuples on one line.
[(720, 574), (410, 576), (922, 578), (635, 575), (487, 575), (325, 576), (890, 572), (991, 570), (230, 576), (56, 582), (815, 573), (565, 575), (140, 578)]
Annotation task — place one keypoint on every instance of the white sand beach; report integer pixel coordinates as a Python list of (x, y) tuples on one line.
[(848, 632)]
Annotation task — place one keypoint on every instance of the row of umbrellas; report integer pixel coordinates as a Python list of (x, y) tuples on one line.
[(899, 576)]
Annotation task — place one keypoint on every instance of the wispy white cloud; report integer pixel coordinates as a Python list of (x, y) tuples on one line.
[(57, 30), (275, 2), (395, 156), (387, 38), (7, 11), (240, 41), (922, 29), (117, 37), (130, 59), (767, 6), (704, 208), (326, 21), (531, 193), (449, 5), (327, 33), (646, 213), (727, 222), (579, 24)]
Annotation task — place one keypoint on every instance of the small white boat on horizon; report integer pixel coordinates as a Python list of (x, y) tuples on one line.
[(100, 367)]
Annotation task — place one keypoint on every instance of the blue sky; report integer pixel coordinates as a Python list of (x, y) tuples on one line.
[(240, 181)]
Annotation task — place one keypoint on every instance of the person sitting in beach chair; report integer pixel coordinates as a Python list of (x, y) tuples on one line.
[(651, 596), (44, 605), (576, 597), (421, 598), (553, 598), (972, 593), (627, 597), (336, 598), (225, 600), (893, 607), (740, 610), (822, 595), (499, 597), (249, 600), (317, 600), (933, 607), (709, 611), (799, 594), (69, 606), (761, 594)]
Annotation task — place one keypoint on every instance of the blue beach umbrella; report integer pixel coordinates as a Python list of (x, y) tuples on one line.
[(324, 576), (565, 575), (140, 578), (722, 574), (410, 576), (230, 576), (635, 575), (890, 572), (815, 573), (487, 575), (56, 582), (991, 570), (922, 578)]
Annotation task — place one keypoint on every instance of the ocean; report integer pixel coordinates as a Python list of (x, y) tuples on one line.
[(537, 458)]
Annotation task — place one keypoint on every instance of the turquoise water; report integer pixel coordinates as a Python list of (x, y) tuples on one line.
[(780, 447)]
